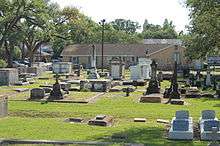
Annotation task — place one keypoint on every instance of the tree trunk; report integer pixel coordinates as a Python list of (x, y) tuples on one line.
[(9, 54)]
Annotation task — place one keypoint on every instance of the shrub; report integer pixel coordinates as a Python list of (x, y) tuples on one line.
[(2, 63)]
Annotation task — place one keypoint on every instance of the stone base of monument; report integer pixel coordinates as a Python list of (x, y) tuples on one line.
[(95, 85), (128, 82), (207, 95), (151, 98), (192, 95), (101, 120), (140, 83), (177, 101)]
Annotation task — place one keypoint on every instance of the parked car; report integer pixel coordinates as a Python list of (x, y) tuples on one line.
[(17, 64)]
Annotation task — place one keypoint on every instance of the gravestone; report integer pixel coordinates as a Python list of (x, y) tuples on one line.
[(56, 93), (95, 85), (101, 120), (3, 106), (208, 77), (117, 69), (153, 86), (142, 70), (8, 76), (93, 74), (37, 93), (174, 94), (62, 67)]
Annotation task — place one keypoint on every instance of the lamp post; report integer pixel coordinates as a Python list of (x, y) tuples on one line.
[(102, 23)]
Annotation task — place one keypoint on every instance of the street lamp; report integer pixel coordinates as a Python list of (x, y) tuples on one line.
[(102, 23)]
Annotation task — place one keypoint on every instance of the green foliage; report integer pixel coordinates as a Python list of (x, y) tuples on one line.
[(204, 30), (3, 64), (151, 31), (127, 26)]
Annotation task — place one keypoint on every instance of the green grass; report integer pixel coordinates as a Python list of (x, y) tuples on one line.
[(34, 120)]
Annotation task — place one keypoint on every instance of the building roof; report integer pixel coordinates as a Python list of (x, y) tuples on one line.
[(163, 41), (113, 49)]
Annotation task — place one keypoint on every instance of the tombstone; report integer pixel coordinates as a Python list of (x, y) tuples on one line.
[(101, 120), (153, 86), (208, 77), (62, 67), (181, 126), (208, 128), (93, 74), (8, 76), (56, 93), (37, 93), (95, 85), (142, 70), (3, 106), (117, 69), (174, 94), (214, 141)]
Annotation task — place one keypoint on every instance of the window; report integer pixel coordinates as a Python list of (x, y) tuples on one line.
[(133, 59), (75, 60), (176, 57)]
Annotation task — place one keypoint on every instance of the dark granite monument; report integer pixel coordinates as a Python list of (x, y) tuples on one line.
[(153, 86), (174, 94), (56, 93)]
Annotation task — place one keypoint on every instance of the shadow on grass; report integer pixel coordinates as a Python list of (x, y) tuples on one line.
[(208, 99), (216, 105), (150, 136)]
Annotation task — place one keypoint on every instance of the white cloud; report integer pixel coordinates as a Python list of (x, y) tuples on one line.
[(138, 10)]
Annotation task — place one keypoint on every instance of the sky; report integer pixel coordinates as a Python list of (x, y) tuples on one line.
[(155, 11)]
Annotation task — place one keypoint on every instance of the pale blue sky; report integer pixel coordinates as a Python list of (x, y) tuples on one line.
[(137, 10)]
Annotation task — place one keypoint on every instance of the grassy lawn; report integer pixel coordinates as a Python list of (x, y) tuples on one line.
[(34, 120)]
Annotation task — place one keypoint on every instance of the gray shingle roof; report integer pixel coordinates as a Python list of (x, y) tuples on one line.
[(113, 49)]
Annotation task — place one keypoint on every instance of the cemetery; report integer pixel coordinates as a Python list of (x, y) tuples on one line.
[(98, 109), (67, 78)]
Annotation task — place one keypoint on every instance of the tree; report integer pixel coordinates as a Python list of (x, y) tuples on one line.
[(204, 29), (127, 26), (151, 31), (16, 15)]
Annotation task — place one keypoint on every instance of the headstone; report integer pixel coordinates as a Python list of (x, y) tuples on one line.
[(93, 74), (56, 93), (62, 68), (182, 114), (8, 76), (214, 141), (142, 70), (117, 69), (208, 114), (208, 77), (37, 93), (3, 106), (153, 86), (175, 92), (95, 85), (101, 121), (180, 125)]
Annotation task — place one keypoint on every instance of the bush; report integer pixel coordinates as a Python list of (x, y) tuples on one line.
[(2, 63)]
